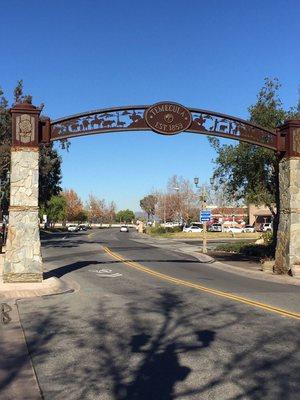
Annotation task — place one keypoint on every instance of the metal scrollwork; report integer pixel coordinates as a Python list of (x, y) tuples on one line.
[(229, 127), (133, 118), (98, 122)]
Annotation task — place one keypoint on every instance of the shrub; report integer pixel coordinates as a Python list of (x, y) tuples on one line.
[(256, 250), (160, 230)]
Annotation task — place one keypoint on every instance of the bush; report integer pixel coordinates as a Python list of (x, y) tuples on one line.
[(256, 250), (160, 230)]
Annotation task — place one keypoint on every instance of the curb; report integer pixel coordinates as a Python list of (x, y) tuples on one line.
[(261, 275), (206, 259), (49, 287)]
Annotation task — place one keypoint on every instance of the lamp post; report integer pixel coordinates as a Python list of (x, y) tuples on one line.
[(202, 207), (165, 200), (179, 207)]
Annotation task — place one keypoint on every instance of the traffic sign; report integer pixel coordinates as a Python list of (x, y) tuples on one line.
[(205, 215)]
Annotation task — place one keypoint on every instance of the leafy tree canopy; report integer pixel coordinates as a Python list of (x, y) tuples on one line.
[(74, 208), (251, 172), (125, 216), (148, 204), (56, 209)]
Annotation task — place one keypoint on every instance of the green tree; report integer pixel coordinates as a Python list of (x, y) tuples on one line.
[(49, 173), (83, 216), (251, 172), (125, 216), (148, 204), (56, 209)]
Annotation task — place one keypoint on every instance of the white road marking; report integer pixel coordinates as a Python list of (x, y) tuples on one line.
[(105, 273)]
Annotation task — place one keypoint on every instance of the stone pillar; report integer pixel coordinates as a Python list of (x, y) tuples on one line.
[(23, 262), (287, 259)]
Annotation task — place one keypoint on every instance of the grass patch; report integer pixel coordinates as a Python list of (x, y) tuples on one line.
[(215, 235), (177, 233)]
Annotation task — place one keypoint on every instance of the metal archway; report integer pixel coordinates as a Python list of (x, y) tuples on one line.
[(132, 118)]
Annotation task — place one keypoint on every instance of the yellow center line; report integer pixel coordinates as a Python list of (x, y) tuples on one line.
[(216, 292)]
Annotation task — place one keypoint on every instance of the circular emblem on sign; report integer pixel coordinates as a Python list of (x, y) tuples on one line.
[(25, 127), (168, 118)]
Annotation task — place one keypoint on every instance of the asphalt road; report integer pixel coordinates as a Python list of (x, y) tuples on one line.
[(129, 333)]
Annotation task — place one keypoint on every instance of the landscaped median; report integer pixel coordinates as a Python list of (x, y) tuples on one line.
[(244, 249), (177, 233)]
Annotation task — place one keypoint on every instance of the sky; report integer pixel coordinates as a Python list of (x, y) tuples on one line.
[(78, 55)]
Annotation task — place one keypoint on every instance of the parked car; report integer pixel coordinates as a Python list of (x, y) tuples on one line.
[(249, 229), (233, 229), (82, 227), (73, 228), (267, 227), (124, 228), (169, 224), (215, 228), (190, 229)]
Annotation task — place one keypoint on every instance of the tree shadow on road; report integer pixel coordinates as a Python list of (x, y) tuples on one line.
[(65, 269), (153, 344)]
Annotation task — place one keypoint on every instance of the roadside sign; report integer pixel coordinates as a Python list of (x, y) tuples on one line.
[(205, 215)]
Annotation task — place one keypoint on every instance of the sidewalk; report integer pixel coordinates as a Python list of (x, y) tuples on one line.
[(245, 268), (17, 376)]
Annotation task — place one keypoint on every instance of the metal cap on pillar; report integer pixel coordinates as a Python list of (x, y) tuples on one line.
[(289, 136)]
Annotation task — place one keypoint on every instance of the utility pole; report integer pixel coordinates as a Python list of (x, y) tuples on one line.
[(202, 208), (165, 200), (179, 216)]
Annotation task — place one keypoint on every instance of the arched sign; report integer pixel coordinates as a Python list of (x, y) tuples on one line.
[(167, 118)]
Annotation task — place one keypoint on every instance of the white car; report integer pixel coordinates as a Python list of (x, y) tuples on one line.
[(190, 229), (73, 228), (169, 224), (233, 229), (215, 228), (267, 227), (249, 229), (124, 228)]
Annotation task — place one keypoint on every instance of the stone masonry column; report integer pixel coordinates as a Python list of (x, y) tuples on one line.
[(23, 261), (287, 259)]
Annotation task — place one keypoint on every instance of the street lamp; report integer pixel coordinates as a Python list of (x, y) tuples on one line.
[(176, 188), (202, 207)]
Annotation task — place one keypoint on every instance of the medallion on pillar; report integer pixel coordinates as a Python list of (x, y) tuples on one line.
[(296, 141), (25, 120)]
